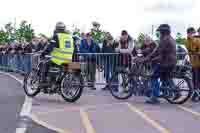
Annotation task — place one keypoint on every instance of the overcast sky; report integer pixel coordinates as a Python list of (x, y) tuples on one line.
[(114, 15)]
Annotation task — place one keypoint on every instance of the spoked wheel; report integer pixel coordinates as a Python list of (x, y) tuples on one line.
[(71, 87), (31, 83), (180, 91), (120, 86)]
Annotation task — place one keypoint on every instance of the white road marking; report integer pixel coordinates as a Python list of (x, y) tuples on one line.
[(26, 108)]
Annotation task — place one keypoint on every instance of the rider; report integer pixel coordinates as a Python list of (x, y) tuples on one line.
[(61, 49), (165, 56)]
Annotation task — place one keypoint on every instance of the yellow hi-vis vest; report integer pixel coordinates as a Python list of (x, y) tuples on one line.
[(63, 54)]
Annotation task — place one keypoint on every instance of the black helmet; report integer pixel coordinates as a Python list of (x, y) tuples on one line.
[(60, 26), (164, 28)]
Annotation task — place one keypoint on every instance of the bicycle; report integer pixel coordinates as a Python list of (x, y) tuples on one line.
[(136, 80)]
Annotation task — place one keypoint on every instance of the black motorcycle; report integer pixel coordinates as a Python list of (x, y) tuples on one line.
[(65, 80)]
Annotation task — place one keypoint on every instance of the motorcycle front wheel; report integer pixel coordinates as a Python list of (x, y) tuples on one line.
[(31, 83), (71, 87)]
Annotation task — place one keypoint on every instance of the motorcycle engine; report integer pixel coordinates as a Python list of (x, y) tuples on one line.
[(53, 73)]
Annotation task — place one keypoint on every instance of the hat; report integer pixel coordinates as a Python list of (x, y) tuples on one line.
[(164, 27), (191, 30)]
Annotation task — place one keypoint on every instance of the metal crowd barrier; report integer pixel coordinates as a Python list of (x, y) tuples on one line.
[(96, 67), (20, 63)]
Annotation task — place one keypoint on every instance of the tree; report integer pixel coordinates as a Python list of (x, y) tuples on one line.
[(10, 31), (25, 31), (4, 37), (140, 40), (179, 38), (76, 31), (97, 33)]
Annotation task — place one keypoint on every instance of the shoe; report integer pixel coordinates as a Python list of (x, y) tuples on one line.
[(105, 88), (195, 98), (93, 88), (153, 101)]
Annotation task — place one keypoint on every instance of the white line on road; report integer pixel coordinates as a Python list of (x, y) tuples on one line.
[(26, 108), (148, 119)]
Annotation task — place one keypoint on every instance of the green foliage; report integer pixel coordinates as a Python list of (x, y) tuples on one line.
[(97, 33), (11, 33), (157, 35), (25, 31), (4, 37), (180, 39), (140, 40), (76, 33)]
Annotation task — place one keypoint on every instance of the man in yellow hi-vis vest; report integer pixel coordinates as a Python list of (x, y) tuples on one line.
[(61, 49)]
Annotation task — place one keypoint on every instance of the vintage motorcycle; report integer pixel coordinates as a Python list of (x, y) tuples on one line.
[(65, 80)]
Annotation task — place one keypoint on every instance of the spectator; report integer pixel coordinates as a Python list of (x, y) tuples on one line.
[(19, 58), (193, 46), (75, 57), (146, 48), (88, 46), (125, 47), (34, 44), (165, 56), (83, 36), (108, 60), (27, 50), (42, 43)]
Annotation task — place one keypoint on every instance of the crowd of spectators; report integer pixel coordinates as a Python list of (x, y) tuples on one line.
[(16, 56), (19, 53)]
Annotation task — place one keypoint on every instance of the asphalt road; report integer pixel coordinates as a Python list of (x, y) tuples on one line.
[(95, 112), (11, 101)]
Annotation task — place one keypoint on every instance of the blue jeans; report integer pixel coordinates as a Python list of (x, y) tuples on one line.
[(164, 74), (155, 85), (108, 69)]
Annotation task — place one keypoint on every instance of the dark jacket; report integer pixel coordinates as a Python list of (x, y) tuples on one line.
[(165, 54), (27, 49), (108, 49), (93, 48), (110, 59), (85, 48)]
